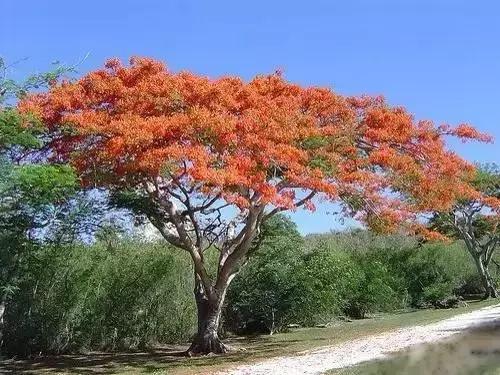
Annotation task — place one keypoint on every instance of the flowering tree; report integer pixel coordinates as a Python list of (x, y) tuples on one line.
[(209, 161)]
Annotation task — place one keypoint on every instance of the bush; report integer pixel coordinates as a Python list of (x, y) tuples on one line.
[(396, 271), (433, 272), (313, 281), (377, 289), (125, 294), (261, 298), (471, 287), (328, 278), (99, 297)]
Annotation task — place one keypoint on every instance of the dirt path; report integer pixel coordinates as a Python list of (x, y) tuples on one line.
[(368, 348)]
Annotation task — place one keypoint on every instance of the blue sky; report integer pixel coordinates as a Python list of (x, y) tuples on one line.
[(440, 59)]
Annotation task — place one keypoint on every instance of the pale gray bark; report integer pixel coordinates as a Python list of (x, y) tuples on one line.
[(481, 250), (198, 225), (3, 306)]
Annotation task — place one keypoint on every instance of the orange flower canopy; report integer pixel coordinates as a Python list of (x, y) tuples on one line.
[(266, 141)]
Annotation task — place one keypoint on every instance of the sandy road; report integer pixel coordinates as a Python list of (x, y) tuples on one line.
[(368, 348)]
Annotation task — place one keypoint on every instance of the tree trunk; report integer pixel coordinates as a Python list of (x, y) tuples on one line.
[(486, 279), (491, 290), (209, 310), (3, 305)]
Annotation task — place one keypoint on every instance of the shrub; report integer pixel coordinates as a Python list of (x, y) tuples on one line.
[(377, 289), (327, 280), (262, 297), (396, 271), (125, 294), (96, 297), (433, 272)]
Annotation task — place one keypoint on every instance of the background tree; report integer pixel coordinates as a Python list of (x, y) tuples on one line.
[(209, 161), (476, 222), (27, 190)]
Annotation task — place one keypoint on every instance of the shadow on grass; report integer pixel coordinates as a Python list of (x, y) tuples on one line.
[(158, 360)]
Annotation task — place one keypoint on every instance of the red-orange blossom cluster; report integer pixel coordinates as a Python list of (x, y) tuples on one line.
[(265, 141)]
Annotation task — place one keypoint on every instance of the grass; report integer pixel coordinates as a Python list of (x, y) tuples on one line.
[(168, 361)]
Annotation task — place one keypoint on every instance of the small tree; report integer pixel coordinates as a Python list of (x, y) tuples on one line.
[(209, 161), (476, 222)]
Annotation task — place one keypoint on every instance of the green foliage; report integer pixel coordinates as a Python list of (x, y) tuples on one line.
[(487, 179), (28, 189), (27, 194), (262, 297), (15, 133), (413, 274), (377, 289), (315, 142), (122, 293), (355, 269), (435, 271), (41, 184), (127, 295), (10, 88), (327, 278), (315, 280)]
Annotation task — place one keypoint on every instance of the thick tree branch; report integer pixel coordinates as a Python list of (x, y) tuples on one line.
[(236, 249), (490, 247), (297, 204), (182, 239)]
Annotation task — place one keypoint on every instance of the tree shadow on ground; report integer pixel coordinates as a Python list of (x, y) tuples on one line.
[(158, 360)]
